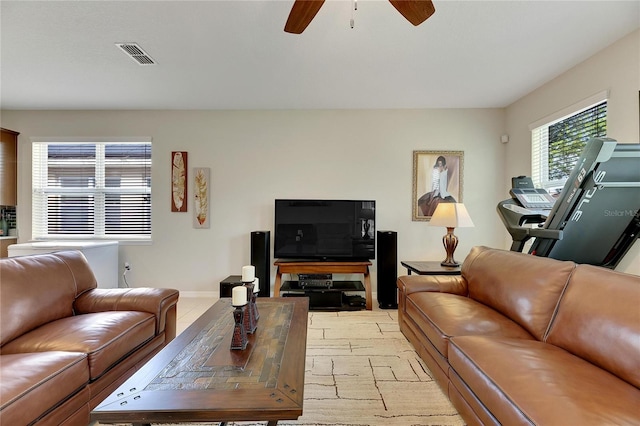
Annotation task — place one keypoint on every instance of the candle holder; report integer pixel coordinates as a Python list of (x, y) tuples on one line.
[(239, 339), (249, 314), (254, 305)]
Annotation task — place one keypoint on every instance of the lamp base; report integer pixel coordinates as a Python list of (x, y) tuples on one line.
[(450, 243)]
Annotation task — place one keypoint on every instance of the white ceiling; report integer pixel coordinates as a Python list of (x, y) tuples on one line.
[(235, 55)]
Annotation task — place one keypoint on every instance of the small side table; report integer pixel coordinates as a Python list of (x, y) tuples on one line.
[(429, 268)]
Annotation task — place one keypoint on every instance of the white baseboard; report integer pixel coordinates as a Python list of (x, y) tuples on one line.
[(200, 294)]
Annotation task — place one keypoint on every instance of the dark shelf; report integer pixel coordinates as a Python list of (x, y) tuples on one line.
[(328, 298), (337, 286)]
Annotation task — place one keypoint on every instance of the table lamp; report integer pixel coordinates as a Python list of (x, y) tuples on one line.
[(450, 215)]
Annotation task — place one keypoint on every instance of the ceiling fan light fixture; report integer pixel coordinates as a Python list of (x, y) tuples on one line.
[(303, 12), (352, 22)]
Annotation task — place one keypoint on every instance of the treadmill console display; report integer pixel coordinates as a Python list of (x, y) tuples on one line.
[(533, 198)]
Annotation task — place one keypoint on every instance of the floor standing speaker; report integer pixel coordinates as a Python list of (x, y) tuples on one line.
[(387, 242), (261, 259)]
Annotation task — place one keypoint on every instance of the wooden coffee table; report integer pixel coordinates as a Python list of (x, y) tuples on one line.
[(198, 378)]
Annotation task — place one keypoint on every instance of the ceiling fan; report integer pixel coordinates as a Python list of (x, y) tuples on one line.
[(303, 12)]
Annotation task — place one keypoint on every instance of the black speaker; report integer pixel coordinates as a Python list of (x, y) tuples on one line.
[(261, 259), (227, 285), (387, 242)]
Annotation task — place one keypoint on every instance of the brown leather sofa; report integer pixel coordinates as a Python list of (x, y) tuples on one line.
[(65, 345), (519, 339)]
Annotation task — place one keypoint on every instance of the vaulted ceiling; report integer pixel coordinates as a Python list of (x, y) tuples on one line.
[(235, 55)]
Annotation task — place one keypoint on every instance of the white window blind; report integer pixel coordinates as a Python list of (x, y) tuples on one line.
[(91, 190), (556, 145)]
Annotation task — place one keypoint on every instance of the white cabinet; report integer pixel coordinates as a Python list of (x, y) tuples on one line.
[(101, 255)]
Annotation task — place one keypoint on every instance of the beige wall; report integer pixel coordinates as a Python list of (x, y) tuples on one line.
[(615, 69), (257, 156)]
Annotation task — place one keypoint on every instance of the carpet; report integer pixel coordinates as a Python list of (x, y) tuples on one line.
[(360, 370)]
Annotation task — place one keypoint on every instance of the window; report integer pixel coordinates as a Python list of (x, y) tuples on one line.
[(86, 189), (558, 143)]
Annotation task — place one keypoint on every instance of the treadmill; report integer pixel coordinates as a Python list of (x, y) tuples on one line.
[(596, 218)]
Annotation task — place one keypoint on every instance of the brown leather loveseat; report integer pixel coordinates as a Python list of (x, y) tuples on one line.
[(65, 344), (519, 339)]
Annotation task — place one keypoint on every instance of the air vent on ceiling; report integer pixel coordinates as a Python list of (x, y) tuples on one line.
[(136, 53)]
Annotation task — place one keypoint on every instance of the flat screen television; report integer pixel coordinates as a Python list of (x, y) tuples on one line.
[(324, 229)]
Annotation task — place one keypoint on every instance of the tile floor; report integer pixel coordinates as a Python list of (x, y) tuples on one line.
[(190, 309)]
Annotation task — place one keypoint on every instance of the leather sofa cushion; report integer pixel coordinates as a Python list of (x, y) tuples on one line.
[(523, 381), (34, 382), (523, 287), (452, 315), (35, 291), (598, 319), (156, 301), (454, 284), (39, 289), (105, 337)]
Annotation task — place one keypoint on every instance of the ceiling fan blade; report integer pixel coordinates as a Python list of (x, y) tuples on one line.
[(415, 11), (301, 15)]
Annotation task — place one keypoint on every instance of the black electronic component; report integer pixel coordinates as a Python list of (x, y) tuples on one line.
[(324, 229), (387, 276)]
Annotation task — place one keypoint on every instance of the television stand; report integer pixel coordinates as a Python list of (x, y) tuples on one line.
[(328, 267)]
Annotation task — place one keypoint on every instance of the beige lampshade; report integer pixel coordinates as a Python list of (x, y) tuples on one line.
[(451, 215)]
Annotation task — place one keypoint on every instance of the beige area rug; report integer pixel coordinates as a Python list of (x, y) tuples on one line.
[(360, 370)]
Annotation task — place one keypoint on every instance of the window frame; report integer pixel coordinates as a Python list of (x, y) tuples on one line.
[(540, 140), (99, 189)]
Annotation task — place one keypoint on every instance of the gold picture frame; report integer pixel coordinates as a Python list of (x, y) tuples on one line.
[(437, 178)]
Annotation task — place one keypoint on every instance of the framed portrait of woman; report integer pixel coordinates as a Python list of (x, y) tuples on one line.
[(437, 178)]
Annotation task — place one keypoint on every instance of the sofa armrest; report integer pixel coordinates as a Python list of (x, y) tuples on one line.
[(160, 302), (455, 284)]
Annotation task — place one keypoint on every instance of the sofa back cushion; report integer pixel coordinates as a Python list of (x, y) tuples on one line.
[(38, 289), (598, 319), (83, 275), (523, 287)]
